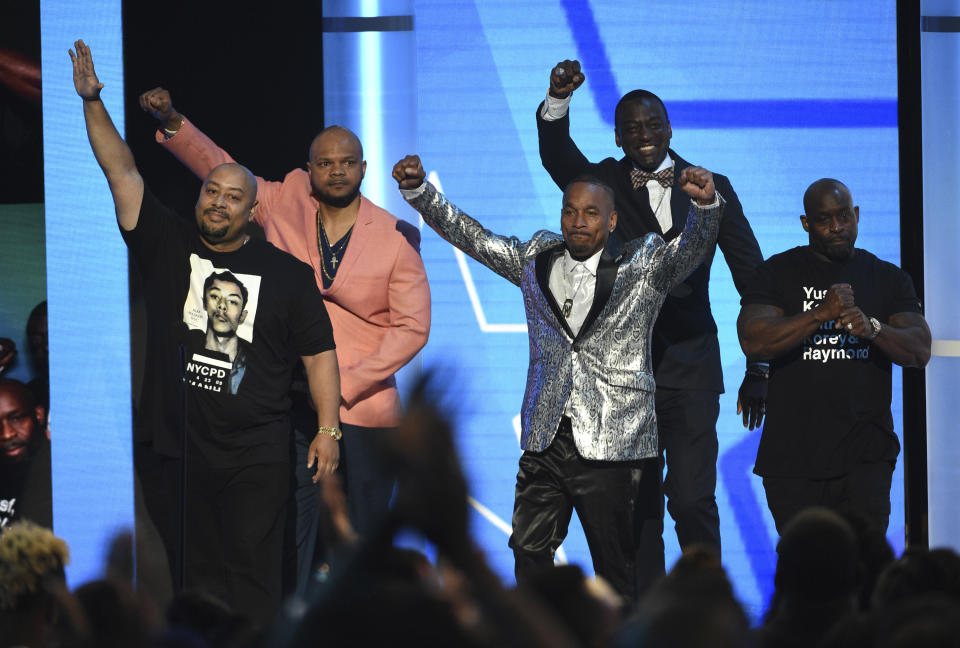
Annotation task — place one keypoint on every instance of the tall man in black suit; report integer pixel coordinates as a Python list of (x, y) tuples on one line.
[(686, 352)]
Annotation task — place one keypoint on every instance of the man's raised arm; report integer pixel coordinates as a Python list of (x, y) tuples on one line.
[(193, 148), (558, 152), (502, 254), (112, 153), (674, 261)]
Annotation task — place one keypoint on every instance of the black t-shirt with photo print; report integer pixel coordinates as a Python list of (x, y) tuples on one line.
[(828, 404), (236, 387)]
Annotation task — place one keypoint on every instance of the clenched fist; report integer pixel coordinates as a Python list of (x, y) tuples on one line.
[(409, 172)]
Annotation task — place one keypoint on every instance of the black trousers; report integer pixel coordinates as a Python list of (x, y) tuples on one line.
[(368, 484), (369, 478), (687, 425), (159, 478), (616, 502), (303, 544), (234, 523), (864, 490)]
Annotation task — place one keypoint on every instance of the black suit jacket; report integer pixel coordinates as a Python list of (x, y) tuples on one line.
[(686, 352)]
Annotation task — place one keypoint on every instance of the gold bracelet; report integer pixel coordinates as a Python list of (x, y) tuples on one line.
[(170, 133), (331, 431)]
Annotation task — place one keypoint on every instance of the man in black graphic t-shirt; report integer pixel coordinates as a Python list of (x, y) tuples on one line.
[(217, 299), (831, 318)]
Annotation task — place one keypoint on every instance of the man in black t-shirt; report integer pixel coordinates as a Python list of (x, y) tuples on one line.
[(25, 491), (831, 318), (222, 302)]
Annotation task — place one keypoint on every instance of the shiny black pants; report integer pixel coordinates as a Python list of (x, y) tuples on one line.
[(618, 503)]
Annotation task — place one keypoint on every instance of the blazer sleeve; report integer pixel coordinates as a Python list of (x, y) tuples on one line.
[(736, 239), (408, 296), (558, 153), (201, 155), (502, 254), (670, 263)]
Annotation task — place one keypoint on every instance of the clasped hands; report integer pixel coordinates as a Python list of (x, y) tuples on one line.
[(839, 305)]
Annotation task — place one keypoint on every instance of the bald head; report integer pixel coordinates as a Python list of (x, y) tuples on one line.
[(330, 133), (830, 219), (815, 193), (336, 168), (242, 177), (225, 206)]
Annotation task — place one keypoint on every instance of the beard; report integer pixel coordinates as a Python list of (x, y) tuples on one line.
[(337, 201), (213, 233), (838, 253)]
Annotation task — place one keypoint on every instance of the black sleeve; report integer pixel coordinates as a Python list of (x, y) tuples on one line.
[(310, 329), (558, 154), (153, 224), (901, 295), (762, 287), (736, 239)]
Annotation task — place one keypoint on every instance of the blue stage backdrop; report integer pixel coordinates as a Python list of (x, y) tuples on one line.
[(773, 95)]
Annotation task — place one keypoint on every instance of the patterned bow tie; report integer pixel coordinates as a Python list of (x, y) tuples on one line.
[(639, 177)]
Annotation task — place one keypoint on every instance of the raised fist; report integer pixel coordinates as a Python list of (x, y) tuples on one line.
[(565, 78), (157, 102), (409, 172), (697, 182)]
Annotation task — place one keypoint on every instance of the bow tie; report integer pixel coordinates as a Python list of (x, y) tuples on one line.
[(640, 178)]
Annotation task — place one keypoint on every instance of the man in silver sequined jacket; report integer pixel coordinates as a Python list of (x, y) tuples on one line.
[(588, 425)]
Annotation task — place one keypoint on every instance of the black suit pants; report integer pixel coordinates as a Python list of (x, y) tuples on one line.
[(687, 425), (616, 502)]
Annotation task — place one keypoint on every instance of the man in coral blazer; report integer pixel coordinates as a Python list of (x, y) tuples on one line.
[(367, 264)]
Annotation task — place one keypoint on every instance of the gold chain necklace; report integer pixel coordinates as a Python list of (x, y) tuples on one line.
[(322, 241)]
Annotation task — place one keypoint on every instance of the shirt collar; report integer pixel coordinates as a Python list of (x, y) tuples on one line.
[(666, 164), (591, 264)]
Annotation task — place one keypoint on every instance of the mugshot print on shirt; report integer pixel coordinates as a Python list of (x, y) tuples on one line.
[(220, 311)]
